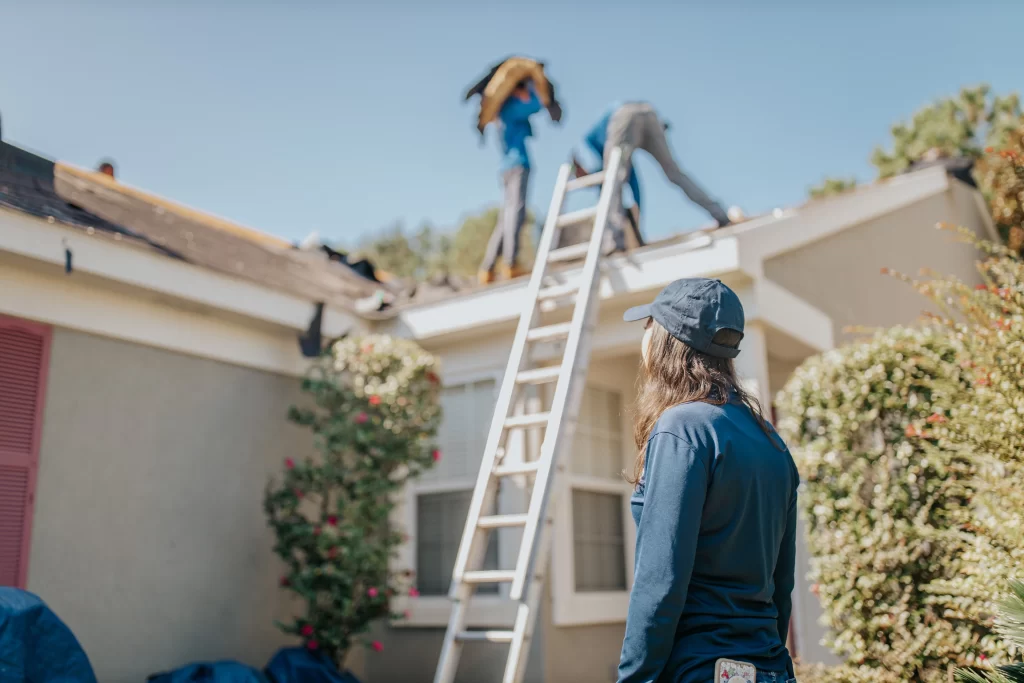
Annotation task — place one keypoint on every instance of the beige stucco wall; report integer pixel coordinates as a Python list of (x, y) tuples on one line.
[(840, 275), (149, 538)]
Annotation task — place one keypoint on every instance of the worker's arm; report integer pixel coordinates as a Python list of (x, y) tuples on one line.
[(785, 573), (675, 481), (516, 110)]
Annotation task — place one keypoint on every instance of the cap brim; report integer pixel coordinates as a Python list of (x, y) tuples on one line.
[(637, 313)]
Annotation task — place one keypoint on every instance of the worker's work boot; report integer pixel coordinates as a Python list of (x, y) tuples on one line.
[(516, 271), (485, 277)]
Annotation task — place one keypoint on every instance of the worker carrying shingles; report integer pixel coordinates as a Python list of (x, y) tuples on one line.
[(633, 126), (513, 91)]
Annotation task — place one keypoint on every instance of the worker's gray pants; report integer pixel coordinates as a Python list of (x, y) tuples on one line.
[(636, 126), (505, 238)]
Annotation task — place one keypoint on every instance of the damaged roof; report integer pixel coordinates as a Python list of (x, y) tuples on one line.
[(104, 208)]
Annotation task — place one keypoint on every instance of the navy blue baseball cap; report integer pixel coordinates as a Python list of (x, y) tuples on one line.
[(694, 310)]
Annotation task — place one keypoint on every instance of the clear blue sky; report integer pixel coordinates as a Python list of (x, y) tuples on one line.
[(343, 117)]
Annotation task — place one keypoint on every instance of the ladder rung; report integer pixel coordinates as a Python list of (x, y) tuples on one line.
[(573, 252), (574, 217), (524, 421), (528, 467), (549, 332), (499, 521), (557, 291), (539, 375), (586, 181), (490, 576), (486, 636)]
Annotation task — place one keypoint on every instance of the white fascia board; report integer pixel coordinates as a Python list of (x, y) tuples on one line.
[(773, 305), (821, 219), (645, 270), (42, 240)]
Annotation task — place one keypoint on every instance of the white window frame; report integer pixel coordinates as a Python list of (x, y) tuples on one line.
[(435, 610), (577, 608)]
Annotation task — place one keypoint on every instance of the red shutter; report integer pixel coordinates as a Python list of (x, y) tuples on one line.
[(24, 358)]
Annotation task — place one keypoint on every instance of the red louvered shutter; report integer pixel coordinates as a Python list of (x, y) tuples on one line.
[(24, 358)]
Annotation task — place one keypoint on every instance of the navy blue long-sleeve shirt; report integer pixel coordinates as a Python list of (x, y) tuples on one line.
[(715, 550)]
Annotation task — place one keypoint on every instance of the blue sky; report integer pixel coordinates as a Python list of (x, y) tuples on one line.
[(344, 117)]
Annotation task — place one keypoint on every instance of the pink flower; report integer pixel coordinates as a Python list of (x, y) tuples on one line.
[(285, 581), (332, 520), (312, 645), (316, 531), (361, 418), (375, 400), (377, 645), (413, 593), (372, 592), (289, 463), (298, 493), (332, 553), (307, 630), (436, 455), (406, 614)]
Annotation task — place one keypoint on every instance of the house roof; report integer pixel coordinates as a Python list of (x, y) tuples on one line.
[(107, 209)]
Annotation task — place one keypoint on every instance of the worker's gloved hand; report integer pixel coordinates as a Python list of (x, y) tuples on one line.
[(555, 111)]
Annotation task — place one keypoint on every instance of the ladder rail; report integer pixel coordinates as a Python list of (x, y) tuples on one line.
[(558, 436)]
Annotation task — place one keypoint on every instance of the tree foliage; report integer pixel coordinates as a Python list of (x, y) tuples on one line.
[(962, 125), (1001, 176), (911, 444), (832, 186), (374, 412), (429, 251)]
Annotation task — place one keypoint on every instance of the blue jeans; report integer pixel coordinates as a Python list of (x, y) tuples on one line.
[(774, 677)]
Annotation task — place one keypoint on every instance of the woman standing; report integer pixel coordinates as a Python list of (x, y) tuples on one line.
[(714, 504)]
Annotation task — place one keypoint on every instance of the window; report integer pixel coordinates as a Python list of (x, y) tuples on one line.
[(599, 545), (440, 518), (443, 494), (598, 534)]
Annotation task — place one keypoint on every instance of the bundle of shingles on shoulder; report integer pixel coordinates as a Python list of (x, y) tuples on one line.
[(501, 81)]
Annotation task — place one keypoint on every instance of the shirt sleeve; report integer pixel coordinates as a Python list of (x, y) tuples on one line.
[(516, 110), (675, 486), (785, 573)]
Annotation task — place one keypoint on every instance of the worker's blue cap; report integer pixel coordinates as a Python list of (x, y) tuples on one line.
[(693, 310)]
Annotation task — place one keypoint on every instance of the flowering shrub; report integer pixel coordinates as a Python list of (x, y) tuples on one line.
[(911, 445), (1001, 175), (374, 412)]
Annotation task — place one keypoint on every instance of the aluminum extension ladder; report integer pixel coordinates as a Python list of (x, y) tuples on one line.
[(559, 422)]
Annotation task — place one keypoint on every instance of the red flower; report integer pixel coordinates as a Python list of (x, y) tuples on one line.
[(406, 614), (935, 417), (289, 463), (372, 592), (982, 657), (436, 455), (285, 581), (885, 271), (981, 288), (332, 520), (989, 150), (377, 645), (413, 593), (1004, 292), (433, 378), (317, 530), (298, 493), (981, 382), (307, 630), (312, 645), (332, 553), (912, 431), (375, 400), (361, 418), (815, 589), (367, 348)]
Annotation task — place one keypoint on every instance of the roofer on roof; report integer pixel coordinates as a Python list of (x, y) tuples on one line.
[(632, 126), (515, 174)]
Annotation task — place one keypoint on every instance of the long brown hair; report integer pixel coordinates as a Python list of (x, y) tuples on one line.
[(675, 373)]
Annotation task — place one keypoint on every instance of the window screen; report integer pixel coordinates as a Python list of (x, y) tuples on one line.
[(439, 522), (598, 541), (597, 445), (467, 412)]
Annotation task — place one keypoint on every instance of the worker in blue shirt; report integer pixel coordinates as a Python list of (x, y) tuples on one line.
[(515, 174), (715, 502), (633, 126)]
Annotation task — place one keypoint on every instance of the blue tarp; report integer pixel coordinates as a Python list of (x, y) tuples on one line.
[(35, 645), (211, 672), (297, 665)]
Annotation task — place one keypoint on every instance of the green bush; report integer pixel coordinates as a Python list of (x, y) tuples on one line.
[(1009, 624), (374, 413), (911, 445)]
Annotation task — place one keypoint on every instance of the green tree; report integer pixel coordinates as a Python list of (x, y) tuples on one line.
[(470, 242), (963, 125), (373, 411), (418, 255), (832, 186)]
